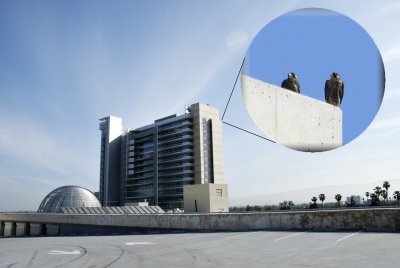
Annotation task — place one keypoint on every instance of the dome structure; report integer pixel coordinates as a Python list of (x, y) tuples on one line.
[(68, 196)]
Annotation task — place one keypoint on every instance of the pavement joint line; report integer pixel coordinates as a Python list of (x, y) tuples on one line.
[(348, 236), (288, 236)]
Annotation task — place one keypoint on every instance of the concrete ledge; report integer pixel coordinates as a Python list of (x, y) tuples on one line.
[(376, 219), (291, 119)]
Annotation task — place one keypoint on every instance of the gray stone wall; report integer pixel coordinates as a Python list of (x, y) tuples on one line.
[(377, 219)]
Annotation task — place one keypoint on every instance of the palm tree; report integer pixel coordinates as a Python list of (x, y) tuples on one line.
[(385, 195), (378, 192), (367, 195), (286, 205), (338, 197), (314, 204), (386, 185), (322, 198), (396, 195), (374, 199)]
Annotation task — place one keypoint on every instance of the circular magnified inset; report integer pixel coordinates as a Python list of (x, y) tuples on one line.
[(313, 80)]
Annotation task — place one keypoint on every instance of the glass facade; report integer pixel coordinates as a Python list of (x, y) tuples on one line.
[(103, 151), (153, 163), (207, 151), (68, 196), (160, 162)]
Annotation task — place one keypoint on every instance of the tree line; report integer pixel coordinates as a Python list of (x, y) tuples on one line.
[(379, 196)]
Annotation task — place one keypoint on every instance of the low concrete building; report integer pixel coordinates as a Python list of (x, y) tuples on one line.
[(357, 199), (205, 198), (291, 119)]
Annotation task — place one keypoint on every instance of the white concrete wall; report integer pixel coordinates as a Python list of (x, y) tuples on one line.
[(35, 229), (291, 119), (9, 229), (371, 219), (200, 111), (52, 229), (21, 229), (112, 168), (206, 198)]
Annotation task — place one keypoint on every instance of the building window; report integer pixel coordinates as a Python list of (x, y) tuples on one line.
[(218, 192), (207, 151)]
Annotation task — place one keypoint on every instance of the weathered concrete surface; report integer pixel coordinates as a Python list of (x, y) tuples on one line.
[(377, 219), (277, 249), (208, 197), (21, 229), (52, 229), (291, 119), (9, 229), (35, 229)]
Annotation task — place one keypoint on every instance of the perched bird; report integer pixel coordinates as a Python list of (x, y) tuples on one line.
[(291, 83), (334, 90)]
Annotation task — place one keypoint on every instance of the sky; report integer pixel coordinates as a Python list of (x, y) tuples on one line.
[(66, 64), (313, 43)]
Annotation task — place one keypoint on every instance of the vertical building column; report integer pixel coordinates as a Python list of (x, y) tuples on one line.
[(197, 144), (9, 229), (155, 165), (1, 228), (52, 230), (213, 130), (124, 166), (35, 229), (110, 169), (21, 229)]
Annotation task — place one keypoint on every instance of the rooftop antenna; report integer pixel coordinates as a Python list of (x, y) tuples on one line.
[(187, 109)]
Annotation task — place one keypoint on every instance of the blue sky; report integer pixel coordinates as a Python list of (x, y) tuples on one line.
[(65, 64), (313, 43)]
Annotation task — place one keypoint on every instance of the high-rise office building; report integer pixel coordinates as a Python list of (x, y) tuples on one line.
[(156, 161), (110, 160)]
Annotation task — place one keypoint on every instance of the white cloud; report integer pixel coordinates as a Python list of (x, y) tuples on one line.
[(393, 123), (391, 94), (33, 146), (392, 54), (386, 9), (237, 39)]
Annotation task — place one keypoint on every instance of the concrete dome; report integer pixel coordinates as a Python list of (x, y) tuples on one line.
[(68, 196)]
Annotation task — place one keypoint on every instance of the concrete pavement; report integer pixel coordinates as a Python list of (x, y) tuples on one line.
[(221, 249)]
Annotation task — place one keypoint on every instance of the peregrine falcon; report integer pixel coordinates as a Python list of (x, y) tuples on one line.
[(334, 90), (291, 83)]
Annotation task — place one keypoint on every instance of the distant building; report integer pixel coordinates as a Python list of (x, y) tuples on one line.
[(357, 199), (156, 161)]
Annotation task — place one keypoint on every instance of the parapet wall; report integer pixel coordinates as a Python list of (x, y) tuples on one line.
[(377, 219), (291, 119)]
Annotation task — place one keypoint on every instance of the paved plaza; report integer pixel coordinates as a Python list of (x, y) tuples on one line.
[(223, 249)]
